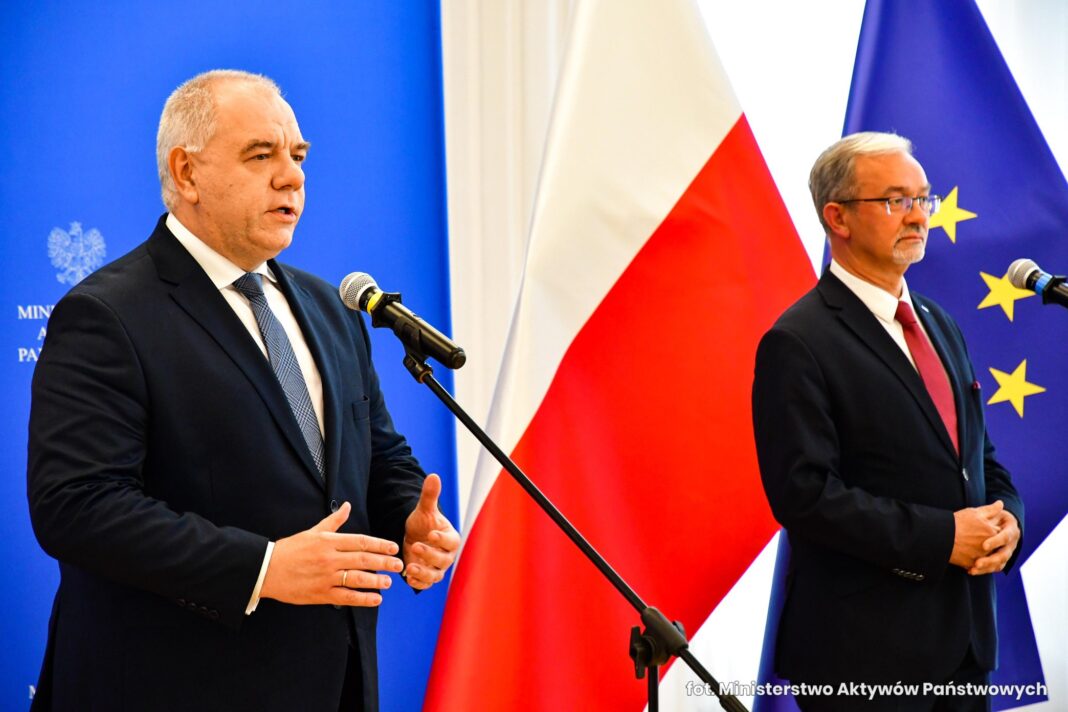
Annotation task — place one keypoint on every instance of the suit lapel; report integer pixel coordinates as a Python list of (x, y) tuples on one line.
[(201, 300), (859, 319), (317, 334)]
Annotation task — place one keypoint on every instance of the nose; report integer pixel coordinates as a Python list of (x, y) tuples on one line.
[(289, 176)]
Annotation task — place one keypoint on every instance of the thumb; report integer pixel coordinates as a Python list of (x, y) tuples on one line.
[(333, 522), (428, 498)]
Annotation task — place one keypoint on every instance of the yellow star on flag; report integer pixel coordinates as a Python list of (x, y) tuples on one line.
[(949, 215), (1013, 387), (1002, 293)]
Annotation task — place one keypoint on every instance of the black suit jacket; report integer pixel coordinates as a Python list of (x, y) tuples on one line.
[(162, 458), (859, 468)]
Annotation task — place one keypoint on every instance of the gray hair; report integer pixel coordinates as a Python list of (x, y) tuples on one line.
[(832, 175), (188, 119)]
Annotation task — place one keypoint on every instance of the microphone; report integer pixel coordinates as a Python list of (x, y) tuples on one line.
[(359, 291), (1025, 274)]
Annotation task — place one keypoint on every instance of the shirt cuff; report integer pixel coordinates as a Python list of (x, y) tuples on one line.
[(255, 600)]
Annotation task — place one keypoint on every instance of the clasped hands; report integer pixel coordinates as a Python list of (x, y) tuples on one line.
[(984, 538), (321, 565)]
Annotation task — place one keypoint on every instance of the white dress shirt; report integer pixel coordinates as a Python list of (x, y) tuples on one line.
[(222, 272)]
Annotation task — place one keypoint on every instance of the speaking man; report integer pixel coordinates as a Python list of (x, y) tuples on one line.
[(874, 454), (210, 457)]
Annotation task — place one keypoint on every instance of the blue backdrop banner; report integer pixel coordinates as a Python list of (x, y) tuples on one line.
[(84, 87)]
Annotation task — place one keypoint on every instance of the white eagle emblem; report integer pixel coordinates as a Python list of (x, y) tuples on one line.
[(75, 254)]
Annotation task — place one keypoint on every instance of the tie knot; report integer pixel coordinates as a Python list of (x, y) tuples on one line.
[(250, 284), (905, 314)]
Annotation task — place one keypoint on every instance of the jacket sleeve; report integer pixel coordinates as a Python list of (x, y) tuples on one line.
[(797, 447), (85, 474)]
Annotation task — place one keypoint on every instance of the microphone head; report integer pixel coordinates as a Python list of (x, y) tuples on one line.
[(1020, 271), (356, 289)]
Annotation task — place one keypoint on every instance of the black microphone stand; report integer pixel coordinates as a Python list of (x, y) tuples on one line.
[(649, 648)]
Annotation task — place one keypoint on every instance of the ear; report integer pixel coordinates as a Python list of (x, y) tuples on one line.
[(834, 214), (180, 163)]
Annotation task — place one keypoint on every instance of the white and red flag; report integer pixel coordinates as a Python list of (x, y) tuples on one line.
[(660, 252)]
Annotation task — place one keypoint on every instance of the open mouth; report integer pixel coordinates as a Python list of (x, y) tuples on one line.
[(285, 211)]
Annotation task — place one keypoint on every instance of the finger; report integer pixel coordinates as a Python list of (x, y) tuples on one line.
[(362, 542), (428, 498), (334, 521), (418, 585), (349, 597), (993, 509), (982, 567), (366, 579), (994, 562), (996, 542), (367, 562), (433, 556), (424, 574), (445, 539)]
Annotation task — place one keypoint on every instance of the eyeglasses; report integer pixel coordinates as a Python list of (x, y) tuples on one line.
[(928, 203)]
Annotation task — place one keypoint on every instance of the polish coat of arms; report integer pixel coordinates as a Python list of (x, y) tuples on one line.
[(75, 253)]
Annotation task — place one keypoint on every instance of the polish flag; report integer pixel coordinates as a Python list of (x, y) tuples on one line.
[(660, 252)]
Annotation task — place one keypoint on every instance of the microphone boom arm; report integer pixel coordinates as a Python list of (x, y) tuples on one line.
[(649, 648)]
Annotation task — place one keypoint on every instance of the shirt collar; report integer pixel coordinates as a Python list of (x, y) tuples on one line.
[(880, 302), (221, 271)]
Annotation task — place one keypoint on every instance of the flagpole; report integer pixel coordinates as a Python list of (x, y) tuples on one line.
[(649, 648)]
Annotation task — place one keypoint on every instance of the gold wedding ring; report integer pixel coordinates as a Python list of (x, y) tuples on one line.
[(344, 578)]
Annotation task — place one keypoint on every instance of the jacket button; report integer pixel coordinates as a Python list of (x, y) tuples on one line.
[(964, 472), (334, 506), (337, 607), (181, 602)]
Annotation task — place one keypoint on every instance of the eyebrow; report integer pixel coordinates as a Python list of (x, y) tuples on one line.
[(270, 145), (903, 190)]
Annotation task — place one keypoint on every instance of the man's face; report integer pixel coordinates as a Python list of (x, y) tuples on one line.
[(878, 243), (248, 178)]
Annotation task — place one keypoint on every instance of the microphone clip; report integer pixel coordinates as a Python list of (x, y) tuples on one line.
[(382, 300), (1050, 290), (414, 359)]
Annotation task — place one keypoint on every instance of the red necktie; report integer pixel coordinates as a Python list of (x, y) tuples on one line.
[(931, 370)]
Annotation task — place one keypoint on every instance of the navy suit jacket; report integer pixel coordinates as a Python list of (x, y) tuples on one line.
[(163, 456), (858, 466)]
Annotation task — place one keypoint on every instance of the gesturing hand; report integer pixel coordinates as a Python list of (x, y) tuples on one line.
[(319, 565), (430, 541)]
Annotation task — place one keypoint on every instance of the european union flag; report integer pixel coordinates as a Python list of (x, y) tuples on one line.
[(931, 71)]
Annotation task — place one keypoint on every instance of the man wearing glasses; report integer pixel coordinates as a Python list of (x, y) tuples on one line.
[(874, 456)]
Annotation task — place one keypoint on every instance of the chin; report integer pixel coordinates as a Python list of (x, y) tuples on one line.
[(276, 243), (910, 255)]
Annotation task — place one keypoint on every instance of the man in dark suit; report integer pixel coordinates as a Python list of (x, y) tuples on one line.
[(875, 458), (210, 458)]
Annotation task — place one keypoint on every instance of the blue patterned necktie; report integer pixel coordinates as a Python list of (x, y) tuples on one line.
[(285, 365)]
